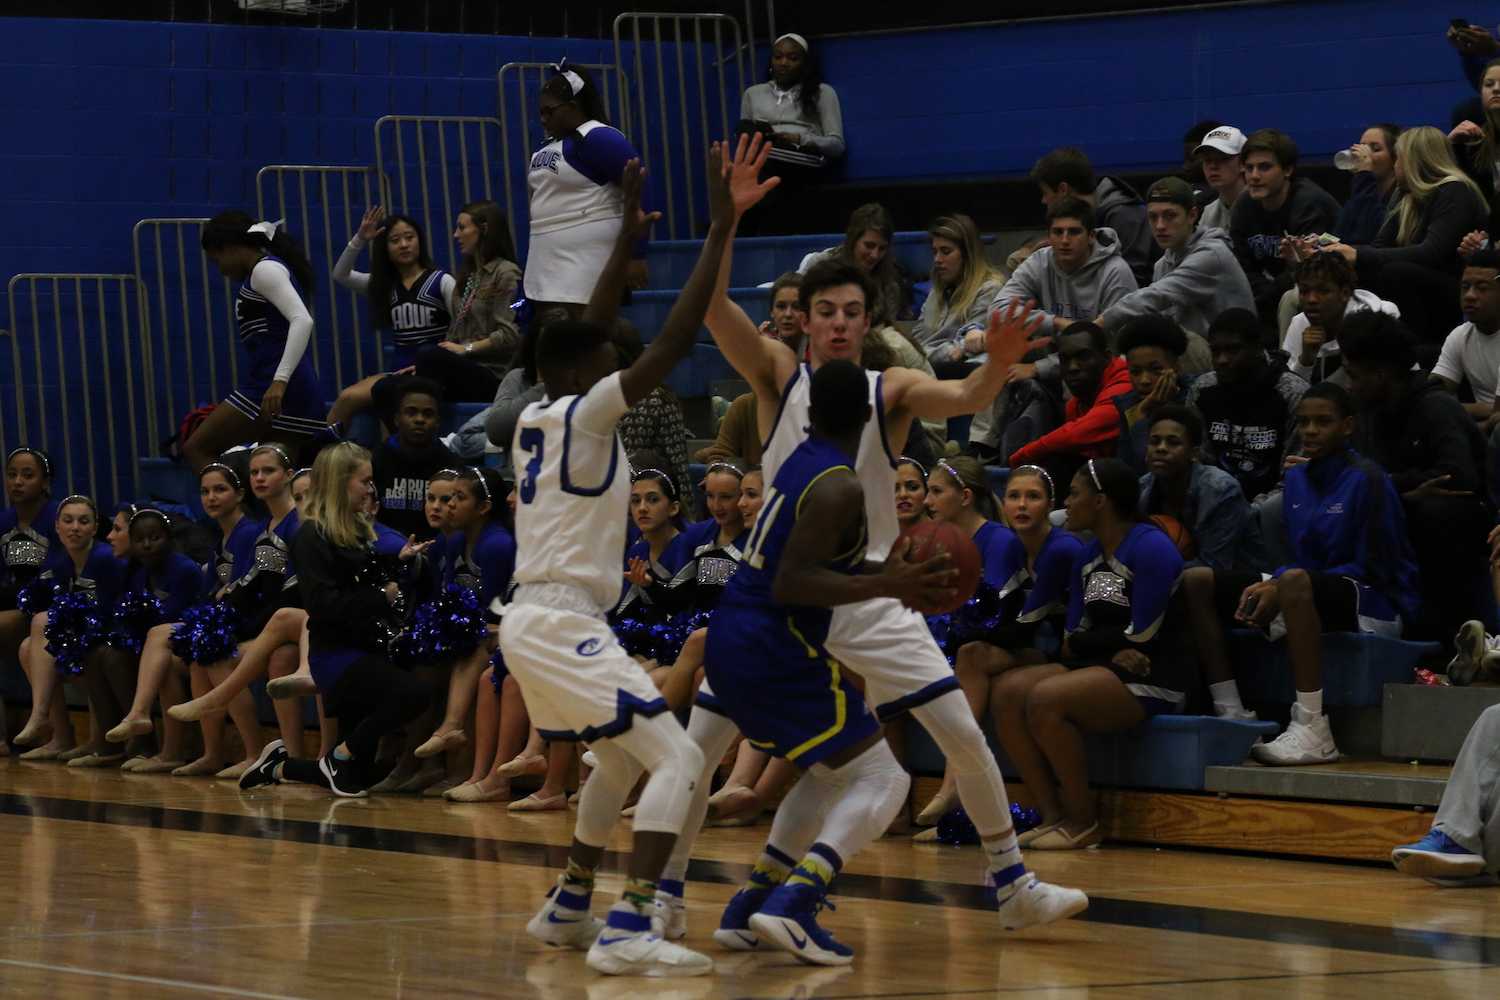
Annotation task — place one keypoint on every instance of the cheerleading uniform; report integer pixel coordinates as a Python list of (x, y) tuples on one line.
[(1013, 598), (271, 583), (211, 631), (577, 209), (274, 329), (452, 624), (153, 597), (641, 623), (81, 614), (420, 312), (23, 550), (1120, 602), (488, 569)]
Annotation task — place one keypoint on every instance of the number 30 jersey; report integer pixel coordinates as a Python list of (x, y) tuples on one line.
[(573, 492)]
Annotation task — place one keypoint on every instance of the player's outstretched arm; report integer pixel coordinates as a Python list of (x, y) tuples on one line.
[(820, 536), (675, 339), (761, 361), (604, 304), (1007, 339)]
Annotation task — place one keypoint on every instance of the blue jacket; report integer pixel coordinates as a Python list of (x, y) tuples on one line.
[(1224, 528), (1344, 518), (1364, 213), (1135, 426)]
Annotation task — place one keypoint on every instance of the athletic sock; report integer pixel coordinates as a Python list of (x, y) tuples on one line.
[(1226, 698), (578, 878), (671, 886), (771, 870), (1311, 703), (1006, 867), (640, 893), (818, 868)]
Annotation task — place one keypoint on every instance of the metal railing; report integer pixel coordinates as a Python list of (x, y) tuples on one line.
[(187, 321), (467, 153), (75, 347), (322, 206), (699, 60), (518, 85)]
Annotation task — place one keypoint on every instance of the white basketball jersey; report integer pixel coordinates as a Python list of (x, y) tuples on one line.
[(572, 492), (562, 196), (875, 465)]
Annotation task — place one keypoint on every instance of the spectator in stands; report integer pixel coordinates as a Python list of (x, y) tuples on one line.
[(787, 317), (1205, 500), (1326, 288), (1152, 347), (964, 287), (1363, 215), (1476, 140), (1196, 278), (738, 439), (484, 336), (1280, 204), (1435, 457), (1351, 570), (1475, 47), (575, 199), (1471, 354), (1192, 166), (1119, 665), (1094, 376), (1218, 154), (1066, 172), (1413, 261), (867, 246), (1463, 847), (1249, 405), (801, 111), (404, 463)]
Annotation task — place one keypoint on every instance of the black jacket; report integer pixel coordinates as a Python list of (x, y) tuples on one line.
[(401, 477), (1257, 233), (1452, 211), (342, 591), (1247, 431), (1424, 435)]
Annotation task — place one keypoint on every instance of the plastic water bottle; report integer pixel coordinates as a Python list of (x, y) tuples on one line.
[(1345, 159)]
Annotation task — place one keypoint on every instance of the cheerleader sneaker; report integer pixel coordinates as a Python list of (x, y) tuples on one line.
[(263, 771), (1307, 740), (789, 921), (1032, 903), (734, 930), (628, 946), (564, 921)]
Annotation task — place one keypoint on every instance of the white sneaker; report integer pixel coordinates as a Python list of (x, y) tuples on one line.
[(564, 921), (620, 951), (671, 916), (1036, 903), (1307, 740)]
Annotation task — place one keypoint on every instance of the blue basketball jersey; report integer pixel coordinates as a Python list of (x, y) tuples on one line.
[(751, 585)]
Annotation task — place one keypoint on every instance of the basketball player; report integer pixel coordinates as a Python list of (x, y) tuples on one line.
[(577, 680), (767, 663), (887, 644)]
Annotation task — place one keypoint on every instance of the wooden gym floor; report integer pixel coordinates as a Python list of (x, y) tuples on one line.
[(125, 886)]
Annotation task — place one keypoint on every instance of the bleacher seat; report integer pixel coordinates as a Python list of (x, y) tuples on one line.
[(1356, 667), (648, 310), (760, 259), (1167, 752)]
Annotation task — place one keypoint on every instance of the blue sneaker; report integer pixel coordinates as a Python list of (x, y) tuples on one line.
[(734, 930), (788, 921), (1436, 856)]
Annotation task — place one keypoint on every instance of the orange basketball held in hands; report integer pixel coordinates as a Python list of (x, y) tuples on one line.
[(927, 537), (1175, 530)]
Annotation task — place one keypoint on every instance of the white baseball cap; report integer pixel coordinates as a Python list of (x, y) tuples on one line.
[(1225, 139)]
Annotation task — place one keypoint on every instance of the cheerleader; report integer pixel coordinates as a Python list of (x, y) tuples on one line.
[(280, 398), (267, 606), (202, 626), (481, 557), (347, 596), (911, 493), (1029, 580), (576, 203), (73, 598), (656, 515), (1119, 665), (409, 298), (28, 528)]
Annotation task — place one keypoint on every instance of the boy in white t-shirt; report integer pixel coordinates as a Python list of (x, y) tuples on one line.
[(1472, 351), (1327, 289)]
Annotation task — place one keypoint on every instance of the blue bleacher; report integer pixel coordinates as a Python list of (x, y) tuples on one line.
[(760, 259), (648, 310), (1357, 667)]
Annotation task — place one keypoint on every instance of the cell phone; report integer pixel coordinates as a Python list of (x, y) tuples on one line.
[(1458, 24)]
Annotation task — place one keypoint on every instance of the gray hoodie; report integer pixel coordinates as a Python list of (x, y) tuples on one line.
[(1192, 286), (940, 332), (1118, 207), (1103, 280)]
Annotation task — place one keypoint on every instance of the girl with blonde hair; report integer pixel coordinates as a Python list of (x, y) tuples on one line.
[(964, 288)]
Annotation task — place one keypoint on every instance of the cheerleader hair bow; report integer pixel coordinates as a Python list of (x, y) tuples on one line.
[(267, 229), (575, 82)]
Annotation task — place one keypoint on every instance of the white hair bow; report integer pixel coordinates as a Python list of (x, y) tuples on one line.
[(575, 82), (267, 229)]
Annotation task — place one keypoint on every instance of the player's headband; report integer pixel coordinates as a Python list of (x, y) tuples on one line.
[(40, 456), (228, 473), (1040, 473)]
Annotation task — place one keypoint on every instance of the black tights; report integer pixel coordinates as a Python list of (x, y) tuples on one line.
[(371, 699)]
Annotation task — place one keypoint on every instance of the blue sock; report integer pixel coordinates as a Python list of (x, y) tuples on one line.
[(671, 886)]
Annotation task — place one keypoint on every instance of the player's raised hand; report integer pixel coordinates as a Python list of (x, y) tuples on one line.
[(632, 182), (720, 202), (746, 189), (1008, 337)]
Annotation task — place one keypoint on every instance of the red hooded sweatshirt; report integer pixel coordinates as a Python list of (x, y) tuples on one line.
[(1090, 433)]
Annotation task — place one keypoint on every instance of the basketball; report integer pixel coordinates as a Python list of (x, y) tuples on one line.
[(1180, 536), (926, 537)]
